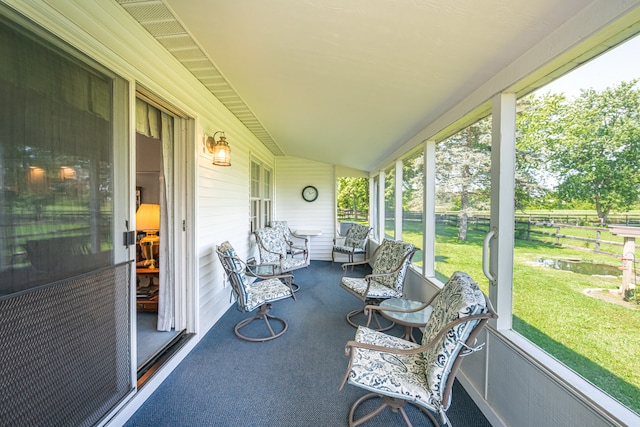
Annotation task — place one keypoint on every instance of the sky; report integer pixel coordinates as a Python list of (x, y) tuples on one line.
[(621, 63)]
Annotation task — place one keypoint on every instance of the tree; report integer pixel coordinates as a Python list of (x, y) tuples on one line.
[(597, 157), (539, 125), (353, 194), (413, 183), (463, 164)]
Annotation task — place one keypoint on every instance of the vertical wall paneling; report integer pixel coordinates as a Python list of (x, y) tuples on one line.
[(292, 175)]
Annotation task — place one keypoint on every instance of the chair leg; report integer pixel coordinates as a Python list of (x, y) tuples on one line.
[(262, 313), (396, 405)]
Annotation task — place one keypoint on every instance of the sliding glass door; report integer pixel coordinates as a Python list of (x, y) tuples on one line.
[(64, 275)]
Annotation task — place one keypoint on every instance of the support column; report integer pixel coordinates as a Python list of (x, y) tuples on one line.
[(429, 209), (398, 201), (503, 159)]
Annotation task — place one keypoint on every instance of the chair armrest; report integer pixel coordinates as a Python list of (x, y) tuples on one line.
[(339, 238), (348, 264), (253, 270), (298, 236), (369, 309), (267, 249), (400, 265), (348, 351), (286, 278), (351, 345)]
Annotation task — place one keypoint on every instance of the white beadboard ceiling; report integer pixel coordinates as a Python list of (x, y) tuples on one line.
[(346, 82)]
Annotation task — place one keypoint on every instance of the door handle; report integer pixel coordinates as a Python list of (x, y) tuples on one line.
[(485, 254)]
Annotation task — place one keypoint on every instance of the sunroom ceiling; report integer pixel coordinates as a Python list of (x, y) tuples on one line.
[(346, 82)]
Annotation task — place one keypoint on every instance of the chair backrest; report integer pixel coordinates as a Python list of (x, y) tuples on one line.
[(281, 226), (357, 236), (390, 256), (459, 298), (235, 270), (271, 245)]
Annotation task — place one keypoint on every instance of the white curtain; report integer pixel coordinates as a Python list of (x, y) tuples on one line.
[(166, 295), (159, 125)]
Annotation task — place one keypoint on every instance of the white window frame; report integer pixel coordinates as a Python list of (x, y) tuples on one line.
[(261, 200)]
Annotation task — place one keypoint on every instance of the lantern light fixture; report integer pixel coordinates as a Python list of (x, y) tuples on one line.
[(220, 149)]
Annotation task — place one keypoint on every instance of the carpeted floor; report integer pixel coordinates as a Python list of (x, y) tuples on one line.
[(150, 340), (290, 381)]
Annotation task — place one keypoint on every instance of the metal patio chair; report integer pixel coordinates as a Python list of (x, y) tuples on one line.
[(390, 262), (355, 242), (259, 294), (398, 371), (297, 247)]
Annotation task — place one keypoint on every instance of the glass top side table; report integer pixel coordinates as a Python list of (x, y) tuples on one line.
[(414, 319)]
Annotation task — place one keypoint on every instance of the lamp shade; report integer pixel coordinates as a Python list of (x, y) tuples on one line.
[(148, 217)]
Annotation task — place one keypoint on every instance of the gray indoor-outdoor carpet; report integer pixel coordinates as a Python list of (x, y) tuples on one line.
[(290, 381)]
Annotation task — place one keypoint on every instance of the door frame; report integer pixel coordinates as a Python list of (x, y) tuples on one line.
[(185, 309)]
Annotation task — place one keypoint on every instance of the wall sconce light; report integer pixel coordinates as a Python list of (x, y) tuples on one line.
[(220, 149)]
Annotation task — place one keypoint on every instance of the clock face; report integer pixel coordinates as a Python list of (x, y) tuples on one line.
[(309, 193)]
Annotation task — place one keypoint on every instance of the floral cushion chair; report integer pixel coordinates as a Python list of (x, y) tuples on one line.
[(273, 252), (355, 242), (293, 249), (390, 262), (256, 295), (399, 371)]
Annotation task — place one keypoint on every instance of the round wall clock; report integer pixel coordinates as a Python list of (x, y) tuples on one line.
[(309, 193)]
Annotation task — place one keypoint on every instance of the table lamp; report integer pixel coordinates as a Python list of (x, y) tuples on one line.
[(148, 221)]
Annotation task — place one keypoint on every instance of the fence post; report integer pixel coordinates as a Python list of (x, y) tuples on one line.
[(558, 235), (597, 240), (529, 230)]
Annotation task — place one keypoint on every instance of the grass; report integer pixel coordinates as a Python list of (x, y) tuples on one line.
[(595, 338)]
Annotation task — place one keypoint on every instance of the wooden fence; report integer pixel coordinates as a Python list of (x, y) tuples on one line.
[(530, 230)]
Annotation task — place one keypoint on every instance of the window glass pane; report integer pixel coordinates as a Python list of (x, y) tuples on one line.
[(413, 203), (255, 179), (255, 212), (462, 201), (267, 184), (390, 203), (55, 164), (577, 162), (266, 213)]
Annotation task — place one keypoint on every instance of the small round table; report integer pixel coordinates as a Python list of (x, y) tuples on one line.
[(408, 320), (268, 271)]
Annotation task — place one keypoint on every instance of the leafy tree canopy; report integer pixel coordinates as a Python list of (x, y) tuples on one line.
[(590, 147)]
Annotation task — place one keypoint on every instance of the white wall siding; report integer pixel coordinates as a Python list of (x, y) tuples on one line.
[(223, 214), (292, 175)]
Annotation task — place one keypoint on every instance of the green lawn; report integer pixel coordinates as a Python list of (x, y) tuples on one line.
[(597, 339)]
